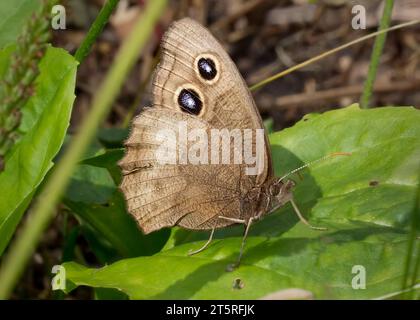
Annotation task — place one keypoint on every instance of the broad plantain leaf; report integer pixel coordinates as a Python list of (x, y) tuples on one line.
[(365, 199), (45, 119)]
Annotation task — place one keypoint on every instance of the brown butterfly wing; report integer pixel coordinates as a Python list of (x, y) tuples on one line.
[(192, 196), (160, 195), (227, 103)]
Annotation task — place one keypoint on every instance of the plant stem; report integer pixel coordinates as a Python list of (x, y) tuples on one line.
[(94, 31), (376, 54), (25, 244)]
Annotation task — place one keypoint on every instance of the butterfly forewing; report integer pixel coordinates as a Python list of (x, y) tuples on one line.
[(198, 85)]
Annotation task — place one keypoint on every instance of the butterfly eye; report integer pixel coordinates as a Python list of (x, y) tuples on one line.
[(189, 101), (207, 68)]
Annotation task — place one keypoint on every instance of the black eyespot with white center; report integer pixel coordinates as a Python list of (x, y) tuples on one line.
[(190, 101), (207, 68)]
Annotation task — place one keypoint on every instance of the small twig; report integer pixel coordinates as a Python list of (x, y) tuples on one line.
[(311, 98), (328, 53)]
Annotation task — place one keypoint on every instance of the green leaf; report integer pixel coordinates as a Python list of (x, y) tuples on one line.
[(269, 265), (94, 198), (108, 160), (70, 243), (109, 294), (104, 251), (90, 185), (113, 137), (269, 125), (13, 16), (365, 200), (45, 119)]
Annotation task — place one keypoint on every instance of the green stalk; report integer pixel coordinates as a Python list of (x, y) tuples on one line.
[(376, 55), (96, 28), (413, 250), (25, 244)]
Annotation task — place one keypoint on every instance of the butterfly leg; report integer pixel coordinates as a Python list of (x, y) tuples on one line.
[(231, 267), (233, 219), (205, 245), (302, 218), (265, 210)]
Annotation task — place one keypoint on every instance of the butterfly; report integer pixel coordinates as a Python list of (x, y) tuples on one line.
[(197, 85)]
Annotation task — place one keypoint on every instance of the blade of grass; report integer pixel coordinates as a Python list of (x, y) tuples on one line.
[(24, 245), (95, 30), (411, 267), (376, 54), (328, 53), (399, 294)]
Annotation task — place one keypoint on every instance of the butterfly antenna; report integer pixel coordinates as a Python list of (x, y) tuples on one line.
[(334, 154)]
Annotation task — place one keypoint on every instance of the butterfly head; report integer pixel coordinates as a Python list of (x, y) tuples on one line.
[(282, 190)]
